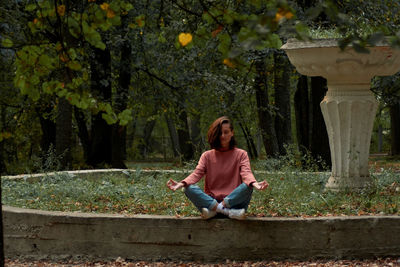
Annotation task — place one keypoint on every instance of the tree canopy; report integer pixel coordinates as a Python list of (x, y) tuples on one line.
[(124, 60)]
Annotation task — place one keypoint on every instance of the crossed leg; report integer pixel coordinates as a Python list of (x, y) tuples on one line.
[(235, 203)]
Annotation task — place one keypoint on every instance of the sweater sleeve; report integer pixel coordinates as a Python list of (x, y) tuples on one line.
[(198, 173), (245, 170)]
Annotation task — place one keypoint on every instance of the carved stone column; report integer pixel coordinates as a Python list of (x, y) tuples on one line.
[(349, 117), (349, 106)]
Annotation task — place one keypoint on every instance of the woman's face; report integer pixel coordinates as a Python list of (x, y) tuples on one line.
[(226, 135)]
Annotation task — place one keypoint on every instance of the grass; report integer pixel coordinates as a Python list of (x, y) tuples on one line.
[(291, 194), (379, 162)]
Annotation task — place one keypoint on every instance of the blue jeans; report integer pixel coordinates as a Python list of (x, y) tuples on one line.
[(237, 199)]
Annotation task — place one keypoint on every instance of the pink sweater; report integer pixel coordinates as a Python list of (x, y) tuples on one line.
[(224, 170)]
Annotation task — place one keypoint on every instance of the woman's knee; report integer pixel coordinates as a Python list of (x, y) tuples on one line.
[(240, 198), (250, 187), (246, 189), (191, 189)]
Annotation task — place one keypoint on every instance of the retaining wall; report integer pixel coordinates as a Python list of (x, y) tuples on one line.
[(40, 234)]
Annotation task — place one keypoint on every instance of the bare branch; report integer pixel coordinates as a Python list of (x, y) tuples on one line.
[(186, 9)]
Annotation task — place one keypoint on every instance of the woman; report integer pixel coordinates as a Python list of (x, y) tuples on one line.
[(229, 181)]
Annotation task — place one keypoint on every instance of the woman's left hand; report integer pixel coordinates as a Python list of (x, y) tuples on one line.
[(260, 185)]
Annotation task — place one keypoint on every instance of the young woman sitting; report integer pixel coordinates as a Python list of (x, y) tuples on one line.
[(229, 182)]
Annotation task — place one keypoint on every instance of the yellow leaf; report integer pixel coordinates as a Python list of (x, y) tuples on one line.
[(278, 17), (185, 38), (110, 14), (140, 22), (282, 13), (229, 63), (104, 6), (289, 15), (61, 10)]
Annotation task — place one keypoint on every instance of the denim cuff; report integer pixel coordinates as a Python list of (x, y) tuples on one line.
[(213, 204), (226, 201)]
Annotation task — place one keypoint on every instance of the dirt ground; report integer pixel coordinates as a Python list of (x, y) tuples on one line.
[(386, 262)]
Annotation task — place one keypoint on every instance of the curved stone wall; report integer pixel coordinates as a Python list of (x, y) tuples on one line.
[(42, 234)]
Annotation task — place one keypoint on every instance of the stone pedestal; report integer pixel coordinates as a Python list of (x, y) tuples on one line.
[(349, 117), (349, 106)]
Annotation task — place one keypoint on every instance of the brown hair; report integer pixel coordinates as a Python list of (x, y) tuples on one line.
[(214, 133)]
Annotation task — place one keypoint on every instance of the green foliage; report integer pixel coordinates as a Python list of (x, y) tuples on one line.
[(7, 42), (50, 161), (58, 64), (387, 88), (292, 161), (381, 123), (323, 33), (245, 26), (289, 194)]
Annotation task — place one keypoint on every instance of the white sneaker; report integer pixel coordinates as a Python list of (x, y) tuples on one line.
[(207, 214), (238, 214)]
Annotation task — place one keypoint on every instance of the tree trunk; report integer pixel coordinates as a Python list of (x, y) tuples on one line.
[(146, 147), (265, 118), (3, 122), (3, 168), (100, 147), (319, 145), (119, 131), (118, 154), (48, 128), (131, 131), (283, 122), (251, 147), (1, 229), (83, 133), (173, 135), (184, 138), (305, 3), (195, 133), (380, 138), (395, 128), (237, 116), (301, 106), (64, 133), (101, 132)]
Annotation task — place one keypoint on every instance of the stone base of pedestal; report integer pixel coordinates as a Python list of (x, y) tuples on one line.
[(348, 183)]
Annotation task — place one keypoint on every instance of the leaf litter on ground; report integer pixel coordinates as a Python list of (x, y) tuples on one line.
[(119, 262)]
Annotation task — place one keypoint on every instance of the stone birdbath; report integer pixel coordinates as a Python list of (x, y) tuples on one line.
[(349, 106)]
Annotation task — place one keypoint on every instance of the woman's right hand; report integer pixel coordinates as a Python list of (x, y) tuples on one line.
[(174, 185), (260, 185)]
